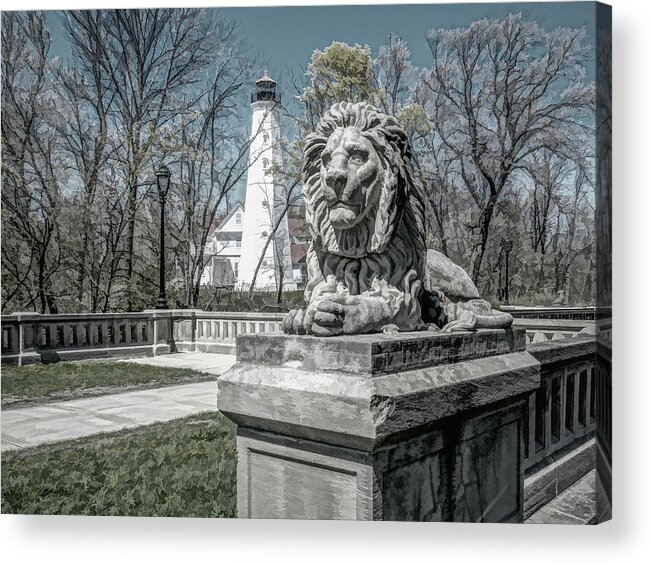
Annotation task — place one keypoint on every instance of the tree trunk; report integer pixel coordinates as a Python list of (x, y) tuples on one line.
[(484, 224)]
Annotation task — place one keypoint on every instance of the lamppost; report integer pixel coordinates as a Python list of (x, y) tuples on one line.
[(507, 245), (163, 184)]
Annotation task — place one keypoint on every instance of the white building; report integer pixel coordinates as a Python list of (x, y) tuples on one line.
[(224, 248), (248, 247)]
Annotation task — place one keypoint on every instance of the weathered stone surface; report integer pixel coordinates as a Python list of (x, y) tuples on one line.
[(575, 506), (555, 352), (441, 443), (558, 473), (377, 353), (355, 410), (369, 269)]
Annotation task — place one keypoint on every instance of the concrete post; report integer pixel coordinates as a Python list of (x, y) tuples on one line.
[(414, 427), (28, 338), (162, 342)]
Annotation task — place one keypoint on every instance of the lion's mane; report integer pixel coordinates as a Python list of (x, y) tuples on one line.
[(390, 240)]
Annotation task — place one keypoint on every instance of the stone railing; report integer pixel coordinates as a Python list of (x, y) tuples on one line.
[(542, 330), (577, 313), (560, 421), (30, 337), (216, 331)]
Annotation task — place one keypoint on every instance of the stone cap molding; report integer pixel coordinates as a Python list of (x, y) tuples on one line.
[(377, 354)]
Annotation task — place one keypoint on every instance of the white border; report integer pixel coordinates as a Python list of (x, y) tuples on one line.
[(626, 539)]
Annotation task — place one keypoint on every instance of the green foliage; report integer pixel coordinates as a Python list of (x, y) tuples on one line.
[(339, 73), (43, 383), (181, 468)]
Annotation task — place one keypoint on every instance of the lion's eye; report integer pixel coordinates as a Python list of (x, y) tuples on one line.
[(325, 158), (357, 157)]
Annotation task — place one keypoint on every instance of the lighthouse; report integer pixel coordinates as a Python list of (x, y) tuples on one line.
[(265, 231)]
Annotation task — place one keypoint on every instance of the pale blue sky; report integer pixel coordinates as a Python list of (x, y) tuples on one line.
[(285, 37)]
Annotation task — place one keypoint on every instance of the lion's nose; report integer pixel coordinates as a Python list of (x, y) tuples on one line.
[(336, 179)]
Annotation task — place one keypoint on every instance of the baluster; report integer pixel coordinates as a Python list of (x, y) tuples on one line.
[(547, 437), (562, 406), (577, 391), (590, 396), (104, 334), (531, 428), (92, 334), (66, 340), (115, 333)]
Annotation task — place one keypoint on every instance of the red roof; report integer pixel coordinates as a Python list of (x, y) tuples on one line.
[(299, 252)]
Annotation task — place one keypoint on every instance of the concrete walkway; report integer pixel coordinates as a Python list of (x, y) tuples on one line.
[(72, 419), (210, 363)]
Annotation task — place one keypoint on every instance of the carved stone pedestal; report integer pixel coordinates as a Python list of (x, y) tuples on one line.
[(416, 427)]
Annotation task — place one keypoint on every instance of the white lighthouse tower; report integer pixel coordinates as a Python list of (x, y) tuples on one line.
[(265, 200)]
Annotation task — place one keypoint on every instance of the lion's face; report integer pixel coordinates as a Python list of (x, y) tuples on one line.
[(351, 177), (357, 182)]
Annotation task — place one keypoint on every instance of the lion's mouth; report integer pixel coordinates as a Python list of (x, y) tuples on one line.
[(356, 208), (344, 214)]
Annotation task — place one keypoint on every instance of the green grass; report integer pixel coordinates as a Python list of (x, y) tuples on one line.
[(44, 383), (181, 468)]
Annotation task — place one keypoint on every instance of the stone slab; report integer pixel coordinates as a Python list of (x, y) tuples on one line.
[(377, 354), (560, 471), (435, 476), (575, 506), (349, 410)]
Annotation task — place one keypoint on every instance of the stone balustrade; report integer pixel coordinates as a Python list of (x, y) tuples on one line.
[(30, 337), (562, 411), (217, 331), (559, 424), (576, 313)]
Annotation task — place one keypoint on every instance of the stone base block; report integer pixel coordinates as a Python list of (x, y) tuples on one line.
[(434, 440), (462, 473)]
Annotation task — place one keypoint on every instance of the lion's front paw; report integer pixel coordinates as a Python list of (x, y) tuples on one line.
[(328, 319), (390, 329), (293, 322), (466, 321)]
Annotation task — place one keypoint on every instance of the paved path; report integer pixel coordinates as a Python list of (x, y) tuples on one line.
[(72, 419), (575, 506), (211, 363)]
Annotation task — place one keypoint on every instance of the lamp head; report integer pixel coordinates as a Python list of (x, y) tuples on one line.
[(163, 180)]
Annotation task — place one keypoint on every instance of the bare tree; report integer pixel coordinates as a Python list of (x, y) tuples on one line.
[(85, 138), (31, 194), (149, 57), (500, 91)]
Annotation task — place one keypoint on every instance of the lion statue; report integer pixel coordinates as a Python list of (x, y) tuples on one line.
[(368, 266)]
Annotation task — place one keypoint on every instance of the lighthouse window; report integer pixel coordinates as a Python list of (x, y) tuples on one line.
[(238, 242), (238, 218), (265, 136), (265, 163), (265, 204)]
